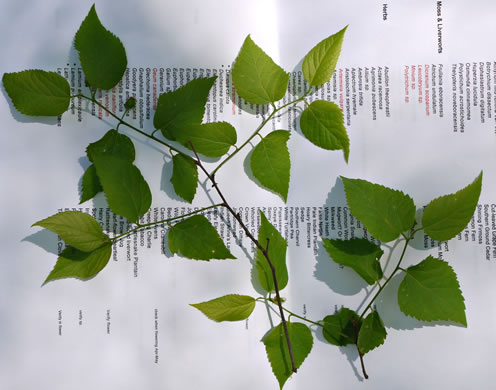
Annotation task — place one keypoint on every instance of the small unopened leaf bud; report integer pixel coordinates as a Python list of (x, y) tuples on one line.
[(130, 103)]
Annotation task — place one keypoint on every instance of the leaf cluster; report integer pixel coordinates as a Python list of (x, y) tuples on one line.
[(429, 290)]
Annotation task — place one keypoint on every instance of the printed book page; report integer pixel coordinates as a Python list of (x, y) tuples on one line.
[(416, 84)]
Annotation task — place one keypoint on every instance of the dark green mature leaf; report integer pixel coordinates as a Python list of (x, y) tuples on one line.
[(38, 93), (184, 176), (270, 162), (77, 229), (91, 184), (232, 307), (322, 123), (342, 328), (183, 107), (210, 139), (73, 263), (430, 292), (102, 54), (125, 188), (448, 215), (276, 347), (269, 235), (359, 254), (257, 78), (385, 212), (372, 333), (112, 144), (320, 62), (196, 238)]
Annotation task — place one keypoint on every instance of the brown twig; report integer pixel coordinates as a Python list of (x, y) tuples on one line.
[(264, 251)]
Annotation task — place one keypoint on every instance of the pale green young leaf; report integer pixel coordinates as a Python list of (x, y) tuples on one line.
[(196, 238), (320, 62), (112, 144), (372, 333), (341, 328), (77, 229), (73, 263), (270, 162), (257, 78), (38, 93), (184, 176), (359, 254), (183, 107), (385, 212), (102, 54), (232, 307), (210, 139), (430, 292), (276, 347), (322, 123), (91, 184), (448, 215), (126, 190), (269, 237)]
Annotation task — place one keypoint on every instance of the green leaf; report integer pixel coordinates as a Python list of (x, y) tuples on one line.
[(256, 77), (359, 254), (196, 238), (230, 307), (341, 328), (372, 333), (269, 235), (91, 184), (38, 93), (448, 215), (276, 347), (210, 139), (385, 212), (73, 263), (183, 107), (125, 188), (320, 62), (430, 292), (184, 176), (112, 144), (77, 229), (102, 54), (270, 162), (322, 123)]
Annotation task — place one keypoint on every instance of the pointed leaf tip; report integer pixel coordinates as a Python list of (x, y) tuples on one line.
[(277, 351), (385, 212), (102, 54), (446, 216), (232, 307), (430, 292), (322, 123), (270, 162), (37, 92), (196, 238), (320, 62), (257, 78)]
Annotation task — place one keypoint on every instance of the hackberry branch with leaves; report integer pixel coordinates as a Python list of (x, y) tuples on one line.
[(429, 290)]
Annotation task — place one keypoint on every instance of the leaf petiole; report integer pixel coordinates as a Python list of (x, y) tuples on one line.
[(167, 221)]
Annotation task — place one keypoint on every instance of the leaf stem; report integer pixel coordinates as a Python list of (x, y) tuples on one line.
[(293, 314), (259, 128), (396, 269), (151, 224), (121, 121), (258, 245), (362, 362)]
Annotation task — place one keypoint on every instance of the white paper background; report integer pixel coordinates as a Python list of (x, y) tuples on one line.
[(41, 165)]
